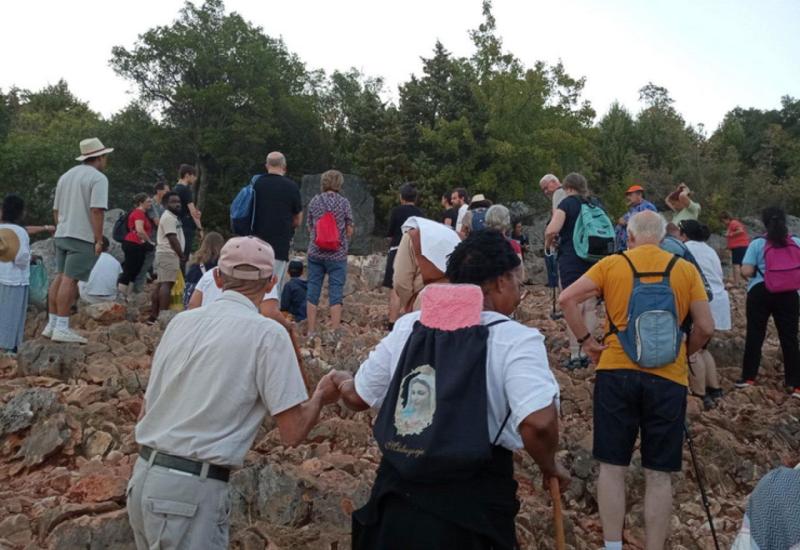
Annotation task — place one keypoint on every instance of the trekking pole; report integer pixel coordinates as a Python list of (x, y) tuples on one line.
[(700, 484), (558, 518)]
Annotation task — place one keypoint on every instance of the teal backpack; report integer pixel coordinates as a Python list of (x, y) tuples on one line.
[(593, 237)]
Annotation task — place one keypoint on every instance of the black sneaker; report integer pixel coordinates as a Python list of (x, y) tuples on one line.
[(714, 393), (708, 402), (742, 383), (573, 364)]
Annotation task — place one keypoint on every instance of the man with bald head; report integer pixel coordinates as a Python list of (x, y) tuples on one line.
[(278, 210)]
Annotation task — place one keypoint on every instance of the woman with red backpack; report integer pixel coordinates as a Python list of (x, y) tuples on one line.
[(330, 227), (772, 263)]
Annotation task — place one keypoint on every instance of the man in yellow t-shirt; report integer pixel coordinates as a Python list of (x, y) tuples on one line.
[(629, 399)]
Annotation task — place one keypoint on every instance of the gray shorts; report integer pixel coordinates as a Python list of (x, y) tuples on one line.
[(167, 266), (170, 510), (75, 258)]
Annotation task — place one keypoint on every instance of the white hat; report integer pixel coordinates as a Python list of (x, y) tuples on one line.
[(92, 147)]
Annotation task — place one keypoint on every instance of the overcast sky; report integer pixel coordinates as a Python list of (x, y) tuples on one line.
[(712, 55)]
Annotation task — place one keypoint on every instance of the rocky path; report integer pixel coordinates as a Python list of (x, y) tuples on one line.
[(66, 442)]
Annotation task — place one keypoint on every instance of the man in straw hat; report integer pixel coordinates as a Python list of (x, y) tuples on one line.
[(200, 416), (80, 202)]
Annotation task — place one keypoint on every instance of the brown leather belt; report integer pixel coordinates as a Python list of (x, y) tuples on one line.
[(194, 467)]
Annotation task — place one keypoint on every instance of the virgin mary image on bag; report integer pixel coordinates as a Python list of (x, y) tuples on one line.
[(417, 402)]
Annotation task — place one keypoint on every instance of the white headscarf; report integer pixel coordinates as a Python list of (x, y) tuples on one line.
[(437, 240)]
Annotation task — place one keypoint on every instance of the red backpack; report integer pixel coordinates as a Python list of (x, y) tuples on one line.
[(782, 266), (326, 233)]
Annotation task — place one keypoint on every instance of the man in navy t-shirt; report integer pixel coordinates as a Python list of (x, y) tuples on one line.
[(278, 211)]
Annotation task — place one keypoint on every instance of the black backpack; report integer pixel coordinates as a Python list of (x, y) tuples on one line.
[(432, 425), (120, 230)]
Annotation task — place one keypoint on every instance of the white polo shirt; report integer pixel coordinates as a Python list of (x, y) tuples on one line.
[(517, 373), (217, 371)]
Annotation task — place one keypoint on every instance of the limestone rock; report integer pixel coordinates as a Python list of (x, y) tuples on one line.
[(45, 438), (97, 444), (105, 531), (106, 312), (45, 358), (25, 408)]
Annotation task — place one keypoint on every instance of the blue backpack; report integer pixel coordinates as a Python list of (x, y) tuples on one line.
[(653, 336), (243, 209), (478, 219), (593, 237)]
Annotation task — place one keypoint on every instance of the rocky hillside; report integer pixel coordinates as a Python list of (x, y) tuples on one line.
[(66, 441)]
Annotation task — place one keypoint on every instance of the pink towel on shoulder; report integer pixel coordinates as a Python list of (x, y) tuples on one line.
[(451, 307)]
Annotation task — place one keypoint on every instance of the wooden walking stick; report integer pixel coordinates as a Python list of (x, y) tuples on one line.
[(555, 492)]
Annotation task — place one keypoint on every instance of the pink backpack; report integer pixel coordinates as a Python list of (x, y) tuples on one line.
[(782, 273)]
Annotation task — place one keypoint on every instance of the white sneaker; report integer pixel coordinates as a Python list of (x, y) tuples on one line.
[(48, 331), (68, 336)]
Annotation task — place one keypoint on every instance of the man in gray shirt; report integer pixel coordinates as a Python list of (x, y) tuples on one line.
[(80, 203), (216, 372)]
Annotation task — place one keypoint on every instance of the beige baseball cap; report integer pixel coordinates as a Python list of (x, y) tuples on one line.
[(249, 252)]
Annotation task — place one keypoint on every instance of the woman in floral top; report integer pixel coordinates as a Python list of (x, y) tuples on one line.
[(332, 262)]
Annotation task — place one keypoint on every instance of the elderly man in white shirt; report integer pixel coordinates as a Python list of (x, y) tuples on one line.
[(200, 416)]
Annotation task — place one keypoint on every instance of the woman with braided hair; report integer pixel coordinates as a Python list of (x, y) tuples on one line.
[(519, 405)]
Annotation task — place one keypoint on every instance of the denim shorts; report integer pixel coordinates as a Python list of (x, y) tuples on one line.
[(627, 402), (337, 275)]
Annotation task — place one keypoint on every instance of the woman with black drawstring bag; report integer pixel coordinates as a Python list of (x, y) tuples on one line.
[(454, 405)]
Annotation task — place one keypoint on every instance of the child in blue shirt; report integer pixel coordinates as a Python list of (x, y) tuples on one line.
[(293, 297)]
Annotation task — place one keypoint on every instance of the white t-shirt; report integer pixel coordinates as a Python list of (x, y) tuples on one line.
[(103, 278), (462, 211), (708, 261), (211, 292), (81, 188), (169, 224), (517, 373), (18, 272), (217, 371), (558, 196)]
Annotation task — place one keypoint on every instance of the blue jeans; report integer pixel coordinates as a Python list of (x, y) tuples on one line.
[(337, 275)]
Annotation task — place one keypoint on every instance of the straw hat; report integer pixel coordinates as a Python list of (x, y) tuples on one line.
[(9, 245), (479, 201), (92, 147)]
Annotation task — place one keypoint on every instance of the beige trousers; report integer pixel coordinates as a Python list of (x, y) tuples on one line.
[(172, 510)]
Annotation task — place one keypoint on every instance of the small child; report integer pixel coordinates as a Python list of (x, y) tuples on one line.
[(293, 297)]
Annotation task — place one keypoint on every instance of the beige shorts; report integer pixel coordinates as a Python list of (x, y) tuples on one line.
[(167, 267)]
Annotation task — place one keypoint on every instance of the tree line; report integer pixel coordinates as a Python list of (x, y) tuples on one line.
[(214, 90)]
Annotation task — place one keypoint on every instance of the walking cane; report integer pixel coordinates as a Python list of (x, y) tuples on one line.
[(555, 492), (700, 483)]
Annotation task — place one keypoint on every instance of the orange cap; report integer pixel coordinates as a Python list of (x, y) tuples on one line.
[(634, 188)]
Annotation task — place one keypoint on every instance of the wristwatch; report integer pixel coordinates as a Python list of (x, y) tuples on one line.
[(582, 340)]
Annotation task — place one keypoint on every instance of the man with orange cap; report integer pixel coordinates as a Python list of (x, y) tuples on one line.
[(634, 196)]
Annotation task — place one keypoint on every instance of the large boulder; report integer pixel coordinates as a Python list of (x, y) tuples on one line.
[(361, 202), (46, 247)]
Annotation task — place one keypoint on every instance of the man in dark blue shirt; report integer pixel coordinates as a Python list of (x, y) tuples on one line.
[(293, 297), (278, 211)]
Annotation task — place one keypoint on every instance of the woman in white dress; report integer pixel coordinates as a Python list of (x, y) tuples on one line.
[(703, 378)]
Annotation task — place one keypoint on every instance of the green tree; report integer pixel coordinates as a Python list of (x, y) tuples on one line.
[(231, 92), (44, 129)]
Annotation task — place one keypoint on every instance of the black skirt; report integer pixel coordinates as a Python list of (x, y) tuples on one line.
[(475, 514)]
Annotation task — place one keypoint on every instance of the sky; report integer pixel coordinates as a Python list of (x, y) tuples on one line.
[(712, 55)]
